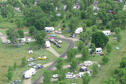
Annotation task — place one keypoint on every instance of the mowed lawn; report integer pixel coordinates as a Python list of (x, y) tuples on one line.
[(9, 55), (115, 57)]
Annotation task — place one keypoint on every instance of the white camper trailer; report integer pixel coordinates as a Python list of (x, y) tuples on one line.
[(49, 29), (47, 44), (107, 32), (98, 50)]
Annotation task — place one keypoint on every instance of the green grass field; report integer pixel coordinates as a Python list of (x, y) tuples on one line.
[(115, 57), (9, 54)]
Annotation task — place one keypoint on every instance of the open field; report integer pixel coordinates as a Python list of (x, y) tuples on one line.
[(115, 58), (9, 55)]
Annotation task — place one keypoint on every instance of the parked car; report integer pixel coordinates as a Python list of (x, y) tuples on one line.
[(16, 81), (59, 41), (58, 32), (38, 66), (72, 35), (30, 59), (52, 35), (59, 46), (42, 58), (55, 76), (83, 69), (70, 75), (31, 64)]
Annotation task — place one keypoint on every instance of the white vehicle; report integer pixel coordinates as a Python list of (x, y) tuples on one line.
[(58, 32), (88, 63), (98, 50), (49, 29), (107, 32), (83, 69), (59, 41), (55, 76), (29, 73), (78, 30), (69, 75), (28, 40), (30, 51), (30, 59), (31, 64), (47, 44), (82, 73)]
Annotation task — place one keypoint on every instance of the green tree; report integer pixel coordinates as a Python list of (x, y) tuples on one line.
[(123, 62), (61, 75), (71, 54), (15, 65), (73, 24), (85, 53), (36, 17), (111, 81), (32, 30), (7, 11), (93, 48), (23, 61), (95, 69), (109, 48), (105, 59), (99, 39), (12, 35), (47, 77), (20, 33), (74, 64), (86, 78), (80, 45), (118, 37), (9, 75), (39, 37), (59, 63), (117, 30)]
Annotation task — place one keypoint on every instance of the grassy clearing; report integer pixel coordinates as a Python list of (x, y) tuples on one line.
[(115, 58), (6, 25), (9, 54), (60, 50)]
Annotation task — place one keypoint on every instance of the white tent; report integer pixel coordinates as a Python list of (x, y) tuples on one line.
[(49, 29), (47, 44), (78, 30), (107, 32), (98, 50)]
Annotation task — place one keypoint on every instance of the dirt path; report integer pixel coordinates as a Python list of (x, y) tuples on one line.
[(48, 64), (53, 51), (27, 81)]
